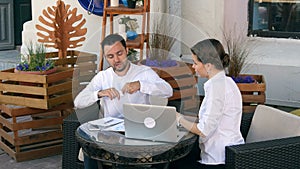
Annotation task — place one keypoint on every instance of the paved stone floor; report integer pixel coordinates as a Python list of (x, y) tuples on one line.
[(9, 59), (53, 162)]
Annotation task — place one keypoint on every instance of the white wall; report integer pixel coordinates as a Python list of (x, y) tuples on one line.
[(277, 59), (93, 23), (201, 19)]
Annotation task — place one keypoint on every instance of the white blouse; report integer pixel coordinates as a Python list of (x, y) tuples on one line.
[(151, 84), (219, 118)]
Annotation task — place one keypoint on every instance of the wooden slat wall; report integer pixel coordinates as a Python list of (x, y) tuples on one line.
[(31, 145)]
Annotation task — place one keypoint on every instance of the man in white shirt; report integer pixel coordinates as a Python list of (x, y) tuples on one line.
[(123, 82)]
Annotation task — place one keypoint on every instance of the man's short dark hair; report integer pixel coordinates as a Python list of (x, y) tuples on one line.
[(112, 39)]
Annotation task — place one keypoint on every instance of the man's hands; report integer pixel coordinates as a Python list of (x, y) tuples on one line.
[(131, 87), (112, 93)]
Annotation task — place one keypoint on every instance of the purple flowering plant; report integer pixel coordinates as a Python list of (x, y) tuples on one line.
[(164, 34), (243, 79), (35, 59), (162, 63)]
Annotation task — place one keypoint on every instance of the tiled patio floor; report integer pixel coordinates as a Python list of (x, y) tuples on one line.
[(53, 162), (9, 59)]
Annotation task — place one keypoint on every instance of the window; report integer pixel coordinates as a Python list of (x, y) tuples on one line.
[(274, 18)]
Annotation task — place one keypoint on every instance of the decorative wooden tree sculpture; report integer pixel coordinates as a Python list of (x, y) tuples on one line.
[(60, 30)]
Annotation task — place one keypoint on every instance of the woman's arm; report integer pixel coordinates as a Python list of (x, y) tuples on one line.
[(189, 124)]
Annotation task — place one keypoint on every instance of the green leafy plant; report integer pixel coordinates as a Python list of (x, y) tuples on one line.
[(239, 48), (35, 59), (132, 55), (130, 23)]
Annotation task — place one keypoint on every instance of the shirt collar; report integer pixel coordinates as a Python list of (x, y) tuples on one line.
[(215, 77)]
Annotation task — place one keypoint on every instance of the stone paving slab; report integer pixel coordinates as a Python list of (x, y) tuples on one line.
[(53, 162), (9, 59)]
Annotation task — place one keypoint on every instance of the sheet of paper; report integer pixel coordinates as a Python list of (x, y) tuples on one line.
[(118, 127), (106, 122), (92, 133)]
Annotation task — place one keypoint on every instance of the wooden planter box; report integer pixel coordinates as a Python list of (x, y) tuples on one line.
[(48, 91), (36, 91), (184, 83), (253, 93), (46, 100), (85, 63), (27, 133)]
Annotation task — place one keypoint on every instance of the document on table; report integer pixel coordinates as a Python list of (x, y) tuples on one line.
[(118, 127), (107, 124)]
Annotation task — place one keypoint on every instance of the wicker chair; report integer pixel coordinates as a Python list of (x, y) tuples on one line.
[(272, 154), (70, 144)]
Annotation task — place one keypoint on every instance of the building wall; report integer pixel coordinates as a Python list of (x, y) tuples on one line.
[(277, 59), (93, 23)]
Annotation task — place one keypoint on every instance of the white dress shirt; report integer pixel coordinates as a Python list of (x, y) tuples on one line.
[(219, 118), (150, 84)]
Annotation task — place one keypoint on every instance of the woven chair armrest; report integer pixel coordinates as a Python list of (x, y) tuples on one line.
[(70, 144), (72, 118), (245, 123), (275, 154)]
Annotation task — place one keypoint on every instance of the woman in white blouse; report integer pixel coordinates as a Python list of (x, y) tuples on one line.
[(221, 110)]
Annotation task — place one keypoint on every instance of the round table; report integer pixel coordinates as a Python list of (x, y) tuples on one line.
[(114, 148)]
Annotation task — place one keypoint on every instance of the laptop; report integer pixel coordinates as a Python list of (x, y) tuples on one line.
[(151, 122)]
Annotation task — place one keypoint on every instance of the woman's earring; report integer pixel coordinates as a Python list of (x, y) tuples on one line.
[(208, 72)]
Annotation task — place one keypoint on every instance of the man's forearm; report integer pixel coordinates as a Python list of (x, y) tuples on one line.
[(85, 98)]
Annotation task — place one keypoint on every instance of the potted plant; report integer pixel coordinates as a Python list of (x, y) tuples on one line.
[(239, 49), (252, 87), (35, 61), (132, 55), (131, 26), (163, 37)]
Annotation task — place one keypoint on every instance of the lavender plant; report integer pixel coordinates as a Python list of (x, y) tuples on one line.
[(35, 59)]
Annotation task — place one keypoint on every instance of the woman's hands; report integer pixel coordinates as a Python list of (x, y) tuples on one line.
[(112, 93), (178, 118)]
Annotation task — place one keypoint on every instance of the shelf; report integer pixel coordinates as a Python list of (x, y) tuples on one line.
[(136, 43), (124, 10)]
